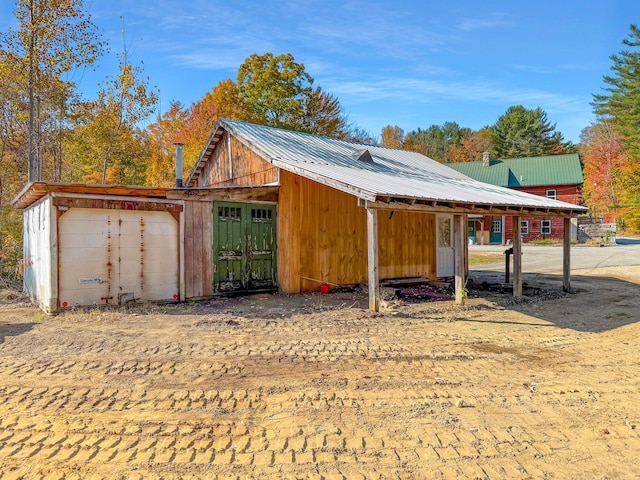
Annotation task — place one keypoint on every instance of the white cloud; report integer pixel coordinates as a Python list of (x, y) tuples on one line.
[(422, 91), (495, 20), (533, 69)]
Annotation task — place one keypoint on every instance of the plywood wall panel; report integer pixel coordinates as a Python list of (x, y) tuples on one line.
[(198, 241), (322, 237)]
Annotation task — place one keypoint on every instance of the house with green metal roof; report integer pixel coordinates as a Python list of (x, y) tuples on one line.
[(557, 177)]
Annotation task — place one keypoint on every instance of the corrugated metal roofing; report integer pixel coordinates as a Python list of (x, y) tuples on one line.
[(526, 172), (391, 173)]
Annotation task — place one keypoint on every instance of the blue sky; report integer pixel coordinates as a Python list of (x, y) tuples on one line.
[(405, 63)]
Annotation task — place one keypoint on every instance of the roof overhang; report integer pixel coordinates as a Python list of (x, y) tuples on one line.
[(475, 209), (34, 191), (262, 194)]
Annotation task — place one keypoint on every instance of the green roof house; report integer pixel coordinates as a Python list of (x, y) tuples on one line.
[(556, 177)]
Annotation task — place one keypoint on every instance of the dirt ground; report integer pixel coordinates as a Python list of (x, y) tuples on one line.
[(315, 386)]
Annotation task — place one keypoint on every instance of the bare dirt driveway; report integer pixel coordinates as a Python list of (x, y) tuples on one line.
[(315, 386)]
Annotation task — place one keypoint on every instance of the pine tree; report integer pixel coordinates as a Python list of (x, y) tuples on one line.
[(521, 132), (621, 106)]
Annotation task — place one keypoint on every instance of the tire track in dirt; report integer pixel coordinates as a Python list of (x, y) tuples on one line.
[(358, 396)]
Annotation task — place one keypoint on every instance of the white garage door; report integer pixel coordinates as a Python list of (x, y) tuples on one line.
[(115, 256)]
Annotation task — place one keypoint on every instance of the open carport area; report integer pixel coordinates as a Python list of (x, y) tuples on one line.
[(317, 386)]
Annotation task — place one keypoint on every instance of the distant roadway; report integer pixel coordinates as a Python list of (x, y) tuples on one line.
[(548, 259)]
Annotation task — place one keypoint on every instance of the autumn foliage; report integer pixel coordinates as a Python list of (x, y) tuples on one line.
[(611, 147), (611, 187)]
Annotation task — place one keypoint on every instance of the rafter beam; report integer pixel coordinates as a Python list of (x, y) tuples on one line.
[(434, 206)]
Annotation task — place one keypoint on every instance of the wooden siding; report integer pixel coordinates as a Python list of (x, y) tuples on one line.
[(232, 163), (198, 253), (407, 244), (564, 193), (322, 237)]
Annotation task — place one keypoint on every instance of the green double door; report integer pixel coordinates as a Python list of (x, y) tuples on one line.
[(244, 246)]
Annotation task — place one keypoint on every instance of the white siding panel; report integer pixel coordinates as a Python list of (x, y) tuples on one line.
[(37, 254)]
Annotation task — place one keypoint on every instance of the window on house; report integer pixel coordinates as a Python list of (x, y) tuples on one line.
[(551, 194), (260, 214), (524, 227), (496, 226), (545, 227), (444, 232)]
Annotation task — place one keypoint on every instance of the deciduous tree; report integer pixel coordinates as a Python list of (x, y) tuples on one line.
[(611, 186), (52, 37), (392, 137), (601, 155), (163, 134), (109, 135), (472, 146), (435, 142), (323, 115), (275, 89)]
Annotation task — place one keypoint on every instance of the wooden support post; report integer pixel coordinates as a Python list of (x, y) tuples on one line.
[(465, 261), (517, 258), (372, 255), (566, 256), (459, 241)]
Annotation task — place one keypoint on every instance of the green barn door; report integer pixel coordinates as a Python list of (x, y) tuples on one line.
[(244, 246), (229, 242), (261, 255)]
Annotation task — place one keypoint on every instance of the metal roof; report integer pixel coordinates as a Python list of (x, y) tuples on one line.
[(526, 172), (390, 173)]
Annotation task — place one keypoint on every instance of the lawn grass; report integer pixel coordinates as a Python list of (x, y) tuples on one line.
[(481, 258)]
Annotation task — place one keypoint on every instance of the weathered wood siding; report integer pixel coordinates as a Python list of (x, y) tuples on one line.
[(198, 249), (232, 163), (322, 235)]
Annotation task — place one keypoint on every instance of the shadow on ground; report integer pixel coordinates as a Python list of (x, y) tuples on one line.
[(13, 329), (628, 241), (595, 304)]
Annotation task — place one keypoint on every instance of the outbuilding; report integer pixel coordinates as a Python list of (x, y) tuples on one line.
[(558, 177), (97, 244), (265, 209), (341, 213)]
